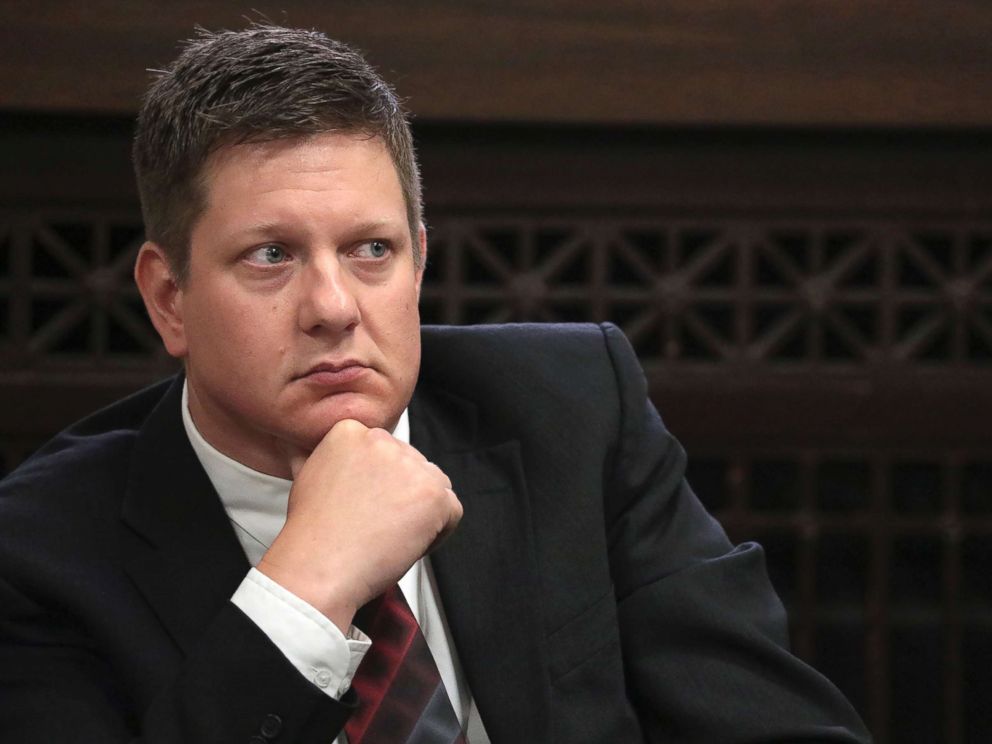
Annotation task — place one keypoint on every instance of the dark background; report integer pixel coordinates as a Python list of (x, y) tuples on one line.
[(785, 205)]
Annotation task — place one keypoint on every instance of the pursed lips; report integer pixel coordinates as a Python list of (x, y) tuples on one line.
[(335, 373)]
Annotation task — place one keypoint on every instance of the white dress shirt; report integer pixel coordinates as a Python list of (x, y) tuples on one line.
[(256, 505)]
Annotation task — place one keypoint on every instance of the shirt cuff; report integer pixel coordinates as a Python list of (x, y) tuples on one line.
[(309, 640)]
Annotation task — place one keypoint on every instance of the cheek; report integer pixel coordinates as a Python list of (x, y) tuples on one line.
[(259, 326), (405, 323), (395, 330), (242, 337), (408, 340)]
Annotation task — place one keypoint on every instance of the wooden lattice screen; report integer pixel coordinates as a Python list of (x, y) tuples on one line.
[(771, 339)]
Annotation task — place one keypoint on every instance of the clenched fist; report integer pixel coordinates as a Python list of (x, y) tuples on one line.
[(364, 507)]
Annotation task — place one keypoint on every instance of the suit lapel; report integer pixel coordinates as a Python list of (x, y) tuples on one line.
[(486, 570), (181, 551)]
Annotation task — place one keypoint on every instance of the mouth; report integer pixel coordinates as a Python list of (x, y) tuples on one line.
[(332, 374)]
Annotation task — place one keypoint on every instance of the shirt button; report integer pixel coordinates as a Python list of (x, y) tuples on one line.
[(322, 678), (271, 726)]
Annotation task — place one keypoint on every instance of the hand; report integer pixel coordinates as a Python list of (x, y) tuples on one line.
[(364, 507)]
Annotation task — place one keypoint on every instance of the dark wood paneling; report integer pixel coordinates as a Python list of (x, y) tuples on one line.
[(701, 171), (847, 431), (777, 62)]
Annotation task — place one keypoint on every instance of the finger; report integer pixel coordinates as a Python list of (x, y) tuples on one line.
[(346, 426), (440, 475), (456, 509), (454, 517)]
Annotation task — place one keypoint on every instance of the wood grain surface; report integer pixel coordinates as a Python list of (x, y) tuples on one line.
[(684, 62)]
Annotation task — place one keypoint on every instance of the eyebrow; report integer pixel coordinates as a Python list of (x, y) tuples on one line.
[(268, 229), (374, 226)]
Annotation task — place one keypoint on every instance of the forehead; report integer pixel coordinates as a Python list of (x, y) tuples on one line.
[(326, 178), (307, 157)]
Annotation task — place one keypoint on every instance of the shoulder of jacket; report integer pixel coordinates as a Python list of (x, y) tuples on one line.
[(93, 450)]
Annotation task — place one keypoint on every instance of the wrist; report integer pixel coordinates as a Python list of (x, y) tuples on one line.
[(322, 592)]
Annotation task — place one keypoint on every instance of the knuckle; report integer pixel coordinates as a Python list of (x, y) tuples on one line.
[(439, 475), (381, 440), (436, 495), (347, 427), (380, 443)]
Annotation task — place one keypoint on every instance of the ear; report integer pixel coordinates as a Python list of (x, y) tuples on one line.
[(163, 297), (421, 248)]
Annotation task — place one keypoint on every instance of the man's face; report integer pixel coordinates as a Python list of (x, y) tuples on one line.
[(300, 307)]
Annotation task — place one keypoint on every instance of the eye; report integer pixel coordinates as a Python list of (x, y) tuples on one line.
[(373, 249), (268, 255)]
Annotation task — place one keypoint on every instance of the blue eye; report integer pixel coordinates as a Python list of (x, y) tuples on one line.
[(273, 254), (269, 254), (374, 249)]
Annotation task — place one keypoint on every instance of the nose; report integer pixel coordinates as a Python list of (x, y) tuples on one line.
[(328, 301)]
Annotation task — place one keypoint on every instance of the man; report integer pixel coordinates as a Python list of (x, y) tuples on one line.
[(216, 558)]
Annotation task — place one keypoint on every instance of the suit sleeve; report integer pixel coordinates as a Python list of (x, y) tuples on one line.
[(56, 686), (704, 636)]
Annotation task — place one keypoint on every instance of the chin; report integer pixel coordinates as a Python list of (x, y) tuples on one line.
[(375, 414)]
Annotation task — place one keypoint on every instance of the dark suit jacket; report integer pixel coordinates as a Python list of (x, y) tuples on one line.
[(590, 596)]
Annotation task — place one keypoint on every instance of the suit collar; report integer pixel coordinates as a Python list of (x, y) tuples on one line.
[(486, 569), (180, 551)]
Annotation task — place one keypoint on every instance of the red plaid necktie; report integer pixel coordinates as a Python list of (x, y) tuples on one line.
[(401, 698)]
